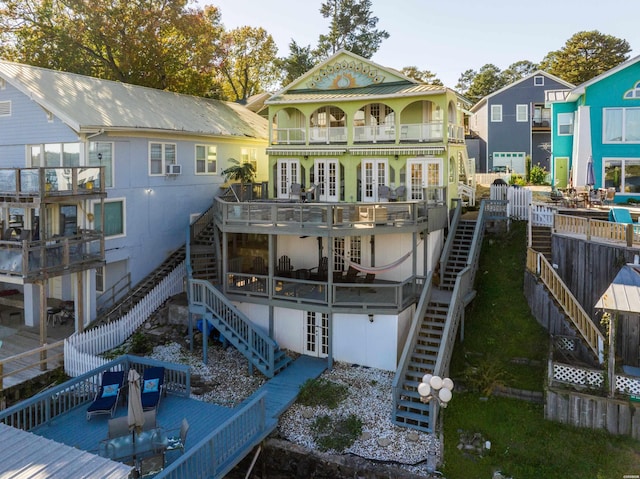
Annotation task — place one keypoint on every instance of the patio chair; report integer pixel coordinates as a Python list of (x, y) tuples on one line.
[(153, 387), (295, 191), (320, 272), (284, 267), (609, 196), (401, 193), (595, 198), (352, 275), (383, 193), (106, 399), (258, 266), (177, 438)]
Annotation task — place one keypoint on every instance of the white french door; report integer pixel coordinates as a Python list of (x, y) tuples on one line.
[(425, 178), (375, 172), (316, 334), (288, 173), (327, 178)]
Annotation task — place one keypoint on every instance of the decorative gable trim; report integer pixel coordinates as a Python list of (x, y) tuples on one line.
[(5, 108), (344, 74), (633, 93)]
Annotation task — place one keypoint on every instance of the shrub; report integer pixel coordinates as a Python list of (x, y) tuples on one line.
[(336, 434), (538, 175), (517, 180), (322, 392), (140, 344)]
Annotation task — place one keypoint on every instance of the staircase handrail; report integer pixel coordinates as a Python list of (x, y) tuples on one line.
[(203, 294), (201, 223), (416, 323), (108, 298), (540, 266), (448, 245)]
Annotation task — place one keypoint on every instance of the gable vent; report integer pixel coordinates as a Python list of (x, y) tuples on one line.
[(5, 108), (3, 84)]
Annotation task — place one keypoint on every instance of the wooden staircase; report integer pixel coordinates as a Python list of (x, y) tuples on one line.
[(204, 261), (459, 254), (541, 240), (409, 410)]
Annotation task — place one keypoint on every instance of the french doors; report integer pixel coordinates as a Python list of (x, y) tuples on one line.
[(288, 173), (326, 177), (425, 178), (316, 334), (375, 172)]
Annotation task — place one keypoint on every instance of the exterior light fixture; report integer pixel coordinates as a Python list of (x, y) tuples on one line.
[(434, 387), (371, 318)]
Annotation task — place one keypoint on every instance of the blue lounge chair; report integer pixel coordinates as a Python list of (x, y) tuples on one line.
[(620, 215), (107, 397), (152, 387)]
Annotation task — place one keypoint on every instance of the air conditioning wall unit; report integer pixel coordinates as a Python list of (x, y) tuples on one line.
[(173, 169)]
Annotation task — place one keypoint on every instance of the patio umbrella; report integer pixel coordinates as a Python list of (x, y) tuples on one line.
[(591, 177), (135, 416)]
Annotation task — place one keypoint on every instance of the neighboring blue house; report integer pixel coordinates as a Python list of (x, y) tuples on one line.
[(161, 155), (513, 123), (599, 119)]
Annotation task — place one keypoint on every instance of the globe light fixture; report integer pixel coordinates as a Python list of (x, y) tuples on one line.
[(435, 387)]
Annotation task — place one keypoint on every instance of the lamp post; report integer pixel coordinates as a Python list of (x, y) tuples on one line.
[(435, 387)]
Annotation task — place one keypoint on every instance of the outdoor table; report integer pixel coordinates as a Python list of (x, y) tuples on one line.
[(152, 441)]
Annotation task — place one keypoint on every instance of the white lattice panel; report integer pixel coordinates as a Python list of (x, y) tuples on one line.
[(627, 385), (573, 375), (566, 344)]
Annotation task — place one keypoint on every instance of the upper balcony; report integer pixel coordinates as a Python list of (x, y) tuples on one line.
[(42, 185)]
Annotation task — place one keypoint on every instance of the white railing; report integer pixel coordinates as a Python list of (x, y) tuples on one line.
[(455, 133), (488, 178), (81, 350), (519, 200), (593, 378), (288, 136), (333, 134), (432, 131), (541, 215)]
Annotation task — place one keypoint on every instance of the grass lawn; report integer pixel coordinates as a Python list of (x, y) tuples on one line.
[(499, 329)]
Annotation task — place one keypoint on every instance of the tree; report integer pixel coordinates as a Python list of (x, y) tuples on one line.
[(242, 172), (247, 63), (423, 76), (353, 27), (586, 55), (517, 71), (155, 43), (485, 82), (299, 62), (465, 80)]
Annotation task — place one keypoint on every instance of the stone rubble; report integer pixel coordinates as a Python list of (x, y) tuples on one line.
[(225, 380)]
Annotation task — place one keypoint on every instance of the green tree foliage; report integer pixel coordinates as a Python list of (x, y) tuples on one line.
[(155, 43), (485, 82), (585, 56), (299, 62), (424, 76), (465, 80), (247, 62), (353, 27), (517, 71)]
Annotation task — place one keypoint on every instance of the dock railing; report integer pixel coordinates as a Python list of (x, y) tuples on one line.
[(34, 358)]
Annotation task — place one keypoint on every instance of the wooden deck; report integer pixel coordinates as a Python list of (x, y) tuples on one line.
[(17, 339)]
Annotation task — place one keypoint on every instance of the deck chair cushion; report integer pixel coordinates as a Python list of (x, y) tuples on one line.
[(110, 390), (151, 385)]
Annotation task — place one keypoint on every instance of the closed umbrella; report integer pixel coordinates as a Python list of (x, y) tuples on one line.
[(135, 416), (591, 177)]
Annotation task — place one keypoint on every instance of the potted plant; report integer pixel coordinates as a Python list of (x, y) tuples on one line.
[(242, 172)]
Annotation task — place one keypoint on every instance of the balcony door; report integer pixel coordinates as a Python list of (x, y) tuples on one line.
[(316, 334), (375, 172), (288, 173), (425, 178), (326, 176)]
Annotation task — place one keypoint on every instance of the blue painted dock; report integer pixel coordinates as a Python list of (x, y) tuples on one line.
[(73, 429)]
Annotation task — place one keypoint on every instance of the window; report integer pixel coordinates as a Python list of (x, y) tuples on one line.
[(54, 155), (621, 125), (522, 113), (538, 80), (100, 279), (623, 174), (633, 93), (496, 113), (206, 160), (250, 155), (5, 108), (160, 155), (114, 218), (565, 124), (101, 154)]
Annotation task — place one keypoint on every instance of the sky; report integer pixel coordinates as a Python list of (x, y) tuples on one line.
[(445, 37)]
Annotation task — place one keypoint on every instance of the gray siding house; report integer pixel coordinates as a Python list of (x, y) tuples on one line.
[(126, 166), (514, 122)]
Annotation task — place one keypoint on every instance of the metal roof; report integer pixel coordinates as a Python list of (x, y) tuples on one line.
[(34, 457), (623, 294), (368, 92), (89, 104)]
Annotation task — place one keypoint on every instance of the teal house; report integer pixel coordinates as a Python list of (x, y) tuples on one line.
[(597, 125)]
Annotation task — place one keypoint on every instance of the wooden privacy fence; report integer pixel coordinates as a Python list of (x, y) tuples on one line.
[(35, 358), (81, 350), (538, 265)]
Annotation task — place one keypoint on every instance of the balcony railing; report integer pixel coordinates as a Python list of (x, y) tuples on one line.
[(306, 216), (42, 182), (430, 132), (35, 259)]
